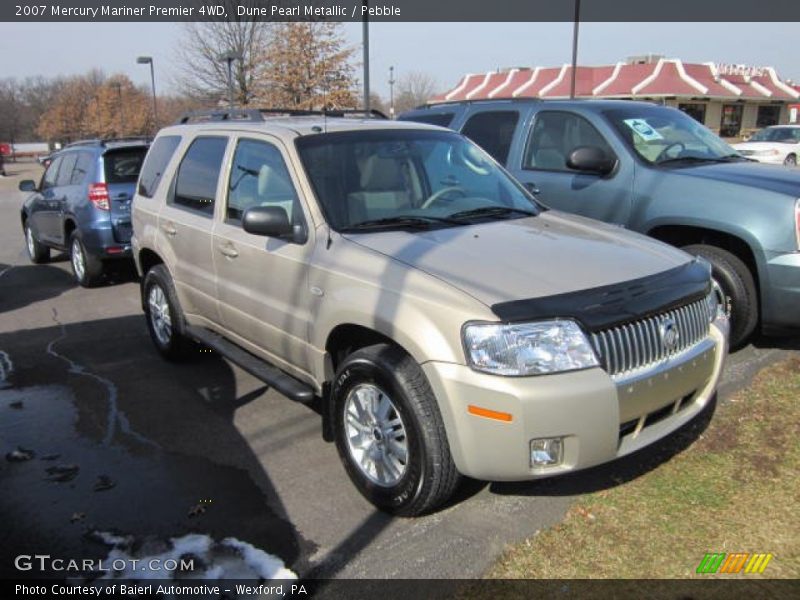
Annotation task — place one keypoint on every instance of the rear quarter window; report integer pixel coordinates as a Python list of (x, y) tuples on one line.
[(158, 157), (123, 166)]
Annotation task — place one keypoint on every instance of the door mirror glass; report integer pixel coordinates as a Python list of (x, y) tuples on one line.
[(27, 185), (590, 159)]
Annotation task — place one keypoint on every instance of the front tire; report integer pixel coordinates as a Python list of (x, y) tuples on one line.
[(790, 161), (389, 432), (163, 314), (37, 252), (738, 287), (87, 269)]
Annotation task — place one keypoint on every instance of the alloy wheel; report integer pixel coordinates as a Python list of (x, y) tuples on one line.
[(376, 435), (78, 260), (160, 317)]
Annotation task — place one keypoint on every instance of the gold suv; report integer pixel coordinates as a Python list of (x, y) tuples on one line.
[(447, 322)]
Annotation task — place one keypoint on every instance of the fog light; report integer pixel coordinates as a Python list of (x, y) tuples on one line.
[(546, 452)]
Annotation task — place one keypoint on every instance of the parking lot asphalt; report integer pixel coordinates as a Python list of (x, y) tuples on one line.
[(204, 447)]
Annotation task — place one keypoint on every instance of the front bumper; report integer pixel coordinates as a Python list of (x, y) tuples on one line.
[(781, 294), (599, 418)]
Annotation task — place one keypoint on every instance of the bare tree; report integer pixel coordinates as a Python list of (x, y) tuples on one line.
[(203, 75), (413, 89)]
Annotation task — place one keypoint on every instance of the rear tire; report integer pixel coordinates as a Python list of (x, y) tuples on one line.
[(737, 285), (164, 316), (790, 161), (37, 252), (87, 269), (389, 432)]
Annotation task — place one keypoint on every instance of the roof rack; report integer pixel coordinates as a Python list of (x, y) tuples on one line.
[(106, 141), (259, 114)]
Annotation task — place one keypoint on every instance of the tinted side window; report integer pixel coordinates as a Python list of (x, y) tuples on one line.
[(82, 167), (198, 173), (259, 178), (123, 166), (554, 135), (155, 164), (49, 178), (493, 131), (65, 172), (440, 119)]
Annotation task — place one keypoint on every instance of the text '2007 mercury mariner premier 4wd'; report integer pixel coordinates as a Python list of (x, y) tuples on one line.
[(395, 273)]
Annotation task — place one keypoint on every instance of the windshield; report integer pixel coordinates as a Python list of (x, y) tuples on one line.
[(408, 179), (661, 135), (786, 135)]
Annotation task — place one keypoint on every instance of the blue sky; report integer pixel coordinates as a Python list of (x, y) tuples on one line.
[(443, 50)]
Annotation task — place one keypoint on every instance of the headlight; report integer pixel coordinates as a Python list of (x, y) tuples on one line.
[(527, 348)]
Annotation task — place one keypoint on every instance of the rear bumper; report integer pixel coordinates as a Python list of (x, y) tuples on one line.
[(598, 418), (99, 240), (781, 295)]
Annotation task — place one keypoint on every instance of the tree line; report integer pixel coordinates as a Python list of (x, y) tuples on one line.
[(305, 65)]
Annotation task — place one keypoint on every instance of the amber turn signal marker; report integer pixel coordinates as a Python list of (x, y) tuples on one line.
[(489, 414)]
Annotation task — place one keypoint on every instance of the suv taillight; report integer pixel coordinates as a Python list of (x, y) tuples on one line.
[(98, 195)]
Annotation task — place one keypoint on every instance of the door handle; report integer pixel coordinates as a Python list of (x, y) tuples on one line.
[(228, 250), (169, 229), (532, 187)]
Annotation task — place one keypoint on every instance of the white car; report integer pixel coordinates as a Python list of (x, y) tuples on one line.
[(776, 145)]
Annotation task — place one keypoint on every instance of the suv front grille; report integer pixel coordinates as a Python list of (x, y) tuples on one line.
[(643, 343)]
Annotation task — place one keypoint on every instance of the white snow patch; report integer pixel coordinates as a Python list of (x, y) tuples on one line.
[(211, 560)]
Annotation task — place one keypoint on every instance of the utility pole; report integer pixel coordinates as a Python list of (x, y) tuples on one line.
[(391, 92), (575, 47), (365, 30)]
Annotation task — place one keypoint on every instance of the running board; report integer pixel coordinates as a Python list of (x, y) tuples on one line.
[(266, 372)]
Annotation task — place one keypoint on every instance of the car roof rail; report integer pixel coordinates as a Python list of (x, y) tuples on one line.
[(259, 114), (106, 141)]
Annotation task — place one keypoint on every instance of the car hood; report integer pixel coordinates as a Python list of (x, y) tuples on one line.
[(532, 257), (776, 178)]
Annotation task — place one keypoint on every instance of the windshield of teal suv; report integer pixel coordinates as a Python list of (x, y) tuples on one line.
[(413, 179), (667, 136)]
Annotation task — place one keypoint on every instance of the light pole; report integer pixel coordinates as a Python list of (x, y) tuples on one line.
[(391, 92), (229, 57), (145, 60), (365, 30), (575, 47)]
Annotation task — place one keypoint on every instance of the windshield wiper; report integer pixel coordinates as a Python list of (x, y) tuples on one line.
[(491, 211), (715, 159), (410, 221)]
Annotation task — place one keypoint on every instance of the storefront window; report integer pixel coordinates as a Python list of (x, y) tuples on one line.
[(768, 114), (695, 110), (731, 122)]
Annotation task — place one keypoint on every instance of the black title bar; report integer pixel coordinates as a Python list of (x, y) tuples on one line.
[(399, 10)]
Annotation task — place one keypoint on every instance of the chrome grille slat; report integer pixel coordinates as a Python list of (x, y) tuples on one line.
[(639, 344)]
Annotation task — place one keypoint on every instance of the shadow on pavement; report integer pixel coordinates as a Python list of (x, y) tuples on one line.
[(26, 284), (102, 400)]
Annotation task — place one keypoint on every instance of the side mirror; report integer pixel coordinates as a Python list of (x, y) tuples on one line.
[(271, 221), (27, 185), (591, 159)]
